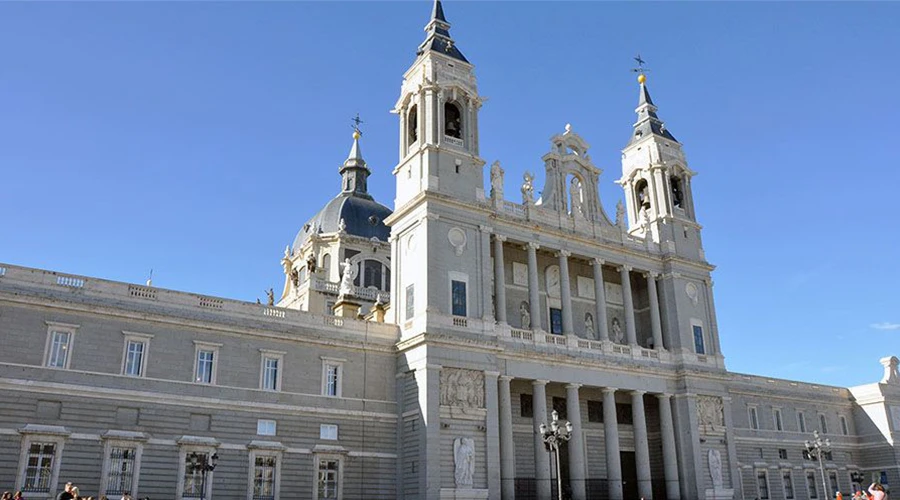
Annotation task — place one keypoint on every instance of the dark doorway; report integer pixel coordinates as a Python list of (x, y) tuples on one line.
[(629, 475)]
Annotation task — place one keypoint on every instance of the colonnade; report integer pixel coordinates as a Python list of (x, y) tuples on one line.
[(575, 448), (601, 324)]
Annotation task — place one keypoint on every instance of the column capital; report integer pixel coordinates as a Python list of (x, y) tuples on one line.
[(500, 238), (564, 253), (637, 392), (650, 274), (607, 390), (506, 378), (485, 229), (597, 261), (573, 385), (663, 396), (488, 373), (532, 245), (539, 382), (625, 267)]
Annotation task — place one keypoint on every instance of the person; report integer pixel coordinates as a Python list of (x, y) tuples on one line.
[(876, 492), (126, 495), (76, 493), (66, 493), (6, 496), (18, 496)]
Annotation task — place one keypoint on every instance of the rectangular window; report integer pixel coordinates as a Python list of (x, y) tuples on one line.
[(39, 467), (779, 424), (264, 477), (328, 431), (782, 453), (270, 373), (410, 301), (458, 292), (788, 484), (193, 479), (526, 405), (844, 430), (624, 414), (332, 375), (699, 346), (595, 411), (754, 418), (833, 481), (121, 470), (823, 424), (556, 321), (372, 274), (58, 357), (134, 358), (762, 485), (328, 479), (266, 427), (801, 421), (811, 484), (205, 360), (559, 406)]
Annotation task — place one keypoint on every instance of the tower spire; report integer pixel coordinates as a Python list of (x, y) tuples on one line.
[(354, 172), (438, 37), (648, 122)]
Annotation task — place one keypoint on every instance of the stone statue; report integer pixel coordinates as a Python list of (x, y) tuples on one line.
[(346, 287), (342, 226), (496, 180), (528, 188), (589, 325), (891, 374), (311, 263), (270, 294), (620, 215), (464, 459), (525, 315), (577, 193), (715, 468), (616, 331)]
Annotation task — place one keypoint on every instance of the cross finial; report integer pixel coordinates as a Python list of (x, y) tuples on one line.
[(356, 121), (640, 62)]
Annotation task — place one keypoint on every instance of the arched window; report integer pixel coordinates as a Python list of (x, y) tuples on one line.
[(326, 265), (677, 192), (642, 194), (576, 196), (372, 274), (412, 124), (452, 121)]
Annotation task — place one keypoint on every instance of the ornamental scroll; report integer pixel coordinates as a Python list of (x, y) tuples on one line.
[(464, 388), (711, 412)]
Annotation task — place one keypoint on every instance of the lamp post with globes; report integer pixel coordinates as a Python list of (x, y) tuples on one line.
[(204, 464), (817, 448), (553, 437)]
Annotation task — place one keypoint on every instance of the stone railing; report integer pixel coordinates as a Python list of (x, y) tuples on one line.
[(577, 345), (125, 293), (364, 293)]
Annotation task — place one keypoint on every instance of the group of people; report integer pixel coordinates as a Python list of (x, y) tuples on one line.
[(70, 492), (10, 496), (876, 492)]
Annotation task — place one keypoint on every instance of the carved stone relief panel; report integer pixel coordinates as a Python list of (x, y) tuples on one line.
[(464, 388), (520, 274), (710, 413), (614, 294), (552, 280), (457, 239), (585, 287), (690, 289)]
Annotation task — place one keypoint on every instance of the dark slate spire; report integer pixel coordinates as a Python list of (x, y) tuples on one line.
[(648, 122), (354, 172), (438, 35)]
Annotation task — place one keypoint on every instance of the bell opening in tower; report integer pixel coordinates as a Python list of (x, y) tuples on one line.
[(677, 192), (412, 124), (452, 121), (642, 194)]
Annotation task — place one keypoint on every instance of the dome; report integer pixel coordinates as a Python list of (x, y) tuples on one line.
[(363, 217)]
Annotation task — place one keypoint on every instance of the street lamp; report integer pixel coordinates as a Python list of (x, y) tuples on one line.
[(553, 437), (204, 464), (817, 448)]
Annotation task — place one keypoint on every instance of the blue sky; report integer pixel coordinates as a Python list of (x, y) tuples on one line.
[(196, 138)]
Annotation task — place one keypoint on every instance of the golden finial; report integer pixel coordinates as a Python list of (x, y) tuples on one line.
[(356, 134), (640, 70), (642, 78)]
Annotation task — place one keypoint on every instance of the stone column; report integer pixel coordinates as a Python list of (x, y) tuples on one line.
[(641, 445), (492, 434), (499, 279), (670, 462), (600, 319), (541, 457), (428, 380), (507, 445), (655, 322), (485, 262), (576, 444), (565, 294), (611, 438), (630, 332), (534, 296)]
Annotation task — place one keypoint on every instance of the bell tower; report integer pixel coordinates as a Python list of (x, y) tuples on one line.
[(657, 183), (438, 111)]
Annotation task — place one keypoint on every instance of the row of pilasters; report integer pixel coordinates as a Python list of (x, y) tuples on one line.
[(577, 468), (536, 311)]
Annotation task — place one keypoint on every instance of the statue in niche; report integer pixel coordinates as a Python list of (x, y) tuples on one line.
[(589, 325), (525, 315), (346, 287), (464, 460), (715, 468), (576, 190), (616, 331), (270, 297), (311, 263), (496, 180), (620, 215), (528, 188), (295, 278)]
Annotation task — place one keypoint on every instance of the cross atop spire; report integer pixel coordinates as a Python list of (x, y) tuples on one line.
[(648, 121), (438, 35)]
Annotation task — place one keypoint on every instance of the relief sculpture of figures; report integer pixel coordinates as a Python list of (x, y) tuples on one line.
[(496, 180), (464, 460), (462, 388), (528, 188), (346, 278), (715, 468)]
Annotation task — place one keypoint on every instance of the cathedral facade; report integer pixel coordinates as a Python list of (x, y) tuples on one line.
[(432, 351)]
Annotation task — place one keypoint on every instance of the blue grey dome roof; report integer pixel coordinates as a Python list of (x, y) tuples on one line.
[(363, 217)]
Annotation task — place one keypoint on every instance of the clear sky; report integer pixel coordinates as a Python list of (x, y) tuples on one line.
[(196, 138)]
